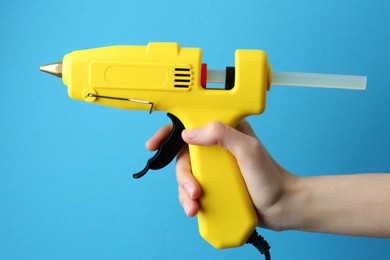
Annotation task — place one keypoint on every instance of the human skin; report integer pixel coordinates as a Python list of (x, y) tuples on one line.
[(354, 204)]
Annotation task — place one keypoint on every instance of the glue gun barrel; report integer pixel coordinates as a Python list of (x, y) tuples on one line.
[(278, 78)]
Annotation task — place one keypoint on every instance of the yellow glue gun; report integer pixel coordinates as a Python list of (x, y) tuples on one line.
[(166, 77)]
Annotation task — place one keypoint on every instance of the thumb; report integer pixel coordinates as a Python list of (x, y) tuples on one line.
[(217, 133)]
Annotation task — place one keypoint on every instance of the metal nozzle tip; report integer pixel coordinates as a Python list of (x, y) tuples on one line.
[(53, 69)]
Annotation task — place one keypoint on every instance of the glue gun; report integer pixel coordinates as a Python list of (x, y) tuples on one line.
[(167, 77)]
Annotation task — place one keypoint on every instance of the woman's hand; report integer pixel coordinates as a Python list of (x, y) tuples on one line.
[(354, 204), (265, 178)]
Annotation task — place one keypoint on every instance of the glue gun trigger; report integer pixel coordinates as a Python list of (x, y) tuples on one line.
[(167, 150)]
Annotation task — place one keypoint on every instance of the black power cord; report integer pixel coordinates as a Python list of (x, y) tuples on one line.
[(260, 243)]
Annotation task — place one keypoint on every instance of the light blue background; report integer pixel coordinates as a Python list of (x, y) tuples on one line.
[(66, 190)]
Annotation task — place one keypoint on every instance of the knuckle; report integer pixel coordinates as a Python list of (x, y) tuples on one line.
[(217, 133), (217, 128)]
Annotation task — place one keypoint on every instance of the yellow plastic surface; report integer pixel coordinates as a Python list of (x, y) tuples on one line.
[(150, 73)]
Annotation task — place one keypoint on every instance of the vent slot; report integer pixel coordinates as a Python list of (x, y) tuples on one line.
[(182, 80), (182, 76)]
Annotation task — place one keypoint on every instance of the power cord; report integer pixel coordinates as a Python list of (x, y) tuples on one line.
[(260, 243)]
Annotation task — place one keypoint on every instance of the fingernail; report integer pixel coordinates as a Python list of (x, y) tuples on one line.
[(189, 133), (189, 190), (186, 208)]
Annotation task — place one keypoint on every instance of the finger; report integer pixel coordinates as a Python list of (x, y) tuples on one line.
[(154, 142), (214, 133), (217, 133), (190, 206), (184, 175)]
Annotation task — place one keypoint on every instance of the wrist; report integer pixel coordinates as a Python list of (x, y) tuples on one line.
[(286, 213)]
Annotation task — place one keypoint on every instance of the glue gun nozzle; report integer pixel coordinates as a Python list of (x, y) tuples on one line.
[(53, 69)]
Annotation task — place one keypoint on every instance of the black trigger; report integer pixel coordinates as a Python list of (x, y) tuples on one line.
[(168, 149)]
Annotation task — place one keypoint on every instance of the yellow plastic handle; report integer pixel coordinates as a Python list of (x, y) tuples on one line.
[(227, 216)]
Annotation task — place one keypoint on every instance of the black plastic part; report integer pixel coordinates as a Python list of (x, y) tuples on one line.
[(168, 149), (260, 243), (230, 78)]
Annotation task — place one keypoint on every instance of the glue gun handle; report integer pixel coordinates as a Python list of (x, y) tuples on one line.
[(227, 216)]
